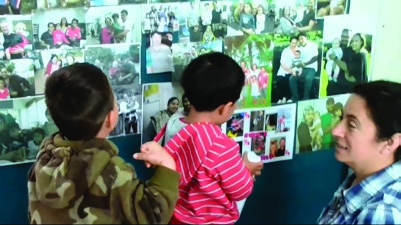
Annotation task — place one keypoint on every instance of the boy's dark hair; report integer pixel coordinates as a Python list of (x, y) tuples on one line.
[(211, 80), (39, 131), (79, 97)]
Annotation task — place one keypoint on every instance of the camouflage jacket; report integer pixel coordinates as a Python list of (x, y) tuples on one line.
[(87, 183)]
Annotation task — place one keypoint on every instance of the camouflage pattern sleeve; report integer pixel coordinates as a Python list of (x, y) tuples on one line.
[(138, 202)]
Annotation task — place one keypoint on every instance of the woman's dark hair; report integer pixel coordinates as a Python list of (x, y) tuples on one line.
[(171, 100), (383, 103)]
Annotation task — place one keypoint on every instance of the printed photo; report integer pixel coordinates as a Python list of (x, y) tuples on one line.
[(159, 57), (183, 53), (17, 78), (347, 42), (332, 7), (315, 121), (113, 24), (284, 120), (59, 28), (247, 17), (160, 102), (257, 120), (296, 67), (258, 142), (24, 124), (235, 125), (130, 110), (271, 122), (51, 61), (278, 147), (16, 41), (17, 7), (60, 4), (97, 3), (120, 62), (254, 53)]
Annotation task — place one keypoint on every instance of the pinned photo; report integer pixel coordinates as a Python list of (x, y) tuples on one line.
[(332, 7), (235, 125), (271, 122), (120, 62), (257, 120), (59, 28), (159, 57), (284, 119), (60, 4), (113, 25), (18, 78)]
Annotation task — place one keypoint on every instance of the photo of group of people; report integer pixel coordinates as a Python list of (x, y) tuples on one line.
[(315, 120), (160, 102), (17, 78), (267, 132), (183, 53), (24, 123)]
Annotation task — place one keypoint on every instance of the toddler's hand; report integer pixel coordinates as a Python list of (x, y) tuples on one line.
[(154, 155), (255, 168)]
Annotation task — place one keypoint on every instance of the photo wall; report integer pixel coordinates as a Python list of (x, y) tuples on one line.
[(133, 40)]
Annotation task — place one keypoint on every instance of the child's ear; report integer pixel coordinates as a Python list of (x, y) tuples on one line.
[(111, 119), (227, 109)]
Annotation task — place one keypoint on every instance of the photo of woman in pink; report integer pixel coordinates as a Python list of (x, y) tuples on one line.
[(53, 65)]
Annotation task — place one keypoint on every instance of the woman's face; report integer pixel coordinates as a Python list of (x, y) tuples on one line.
[(282, 143), (356, 43), (273, 147), (287, 11), (64, 21), (74, 23), (173, 106), (54, 59), (2, 84), (108, 22), (247, 8), (260, 10), (293, 43), (355, 135)]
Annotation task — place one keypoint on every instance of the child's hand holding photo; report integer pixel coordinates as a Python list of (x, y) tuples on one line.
[(154, 155)]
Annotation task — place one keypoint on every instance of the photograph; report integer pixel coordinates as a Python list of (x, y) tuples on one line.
[(51, 61), (235, 125), (17, 7), (271, 122), (160, 102), (17, 77), (278, 147), (129, 100), (60, 4), (59, 28), (347, 51), (315, 121), (284, 120), (296, 67), (23, 125), (16, 41), (113, 24), (120, 62), (257, 140), (183, 53), (254, 53), (159, 57), (257, 120), (97, 3), (246, 17), (332, 7)]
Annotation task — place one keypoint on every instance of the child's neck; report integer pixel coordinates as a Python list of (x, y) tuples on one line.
[(196, 117)]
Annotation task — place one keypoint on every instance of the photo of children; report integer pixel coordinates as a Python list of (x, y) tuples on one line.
[(183, 53), (130, 110), (158, 53), (271, 122), (332, 7), (258, 142), (51, 61), (296, 66), (120, 62), (347, 50), (17, 35), (18, 77), (254, 53), (59, 28), (113, 24), (284, 120), (246, 18), (257, 120), (315, 121), (160, 102), (235, 125), (22, 129)]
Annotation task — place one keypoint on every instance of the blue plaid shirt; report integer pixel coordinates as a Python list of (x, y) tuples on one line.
[(376, 200)]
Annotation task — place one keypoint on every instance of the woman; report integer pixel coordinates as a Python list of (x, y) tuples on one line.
[(64, 24), (369, 142), (163, 116), (106, 36), (286, 24), (352, 67), (74, 33)]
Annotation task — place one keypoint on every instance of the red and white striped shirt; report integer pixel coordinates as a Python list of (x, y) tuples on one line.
[(213, 175)]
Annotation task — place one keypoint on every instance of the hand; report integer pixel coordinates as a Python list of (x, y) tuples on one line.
[(154, 155), (332, 56), (255, 168)]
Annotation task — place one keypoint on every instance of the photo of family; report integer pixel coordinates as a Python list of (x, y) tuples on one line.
[(183, 53), (59, 28), (23, 126), (113, 24), (347, 51), (315, 121), (254, 53), (51, 61), (17, 78)]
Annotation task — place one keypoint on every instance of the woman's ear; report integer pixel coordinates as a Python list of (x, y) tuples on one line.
[(392, 144)]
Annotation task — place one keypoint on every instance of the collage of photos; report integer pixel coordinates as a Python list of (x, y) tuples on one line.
[(315, 120), (267, 133), (160, 102), (24, 123)]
